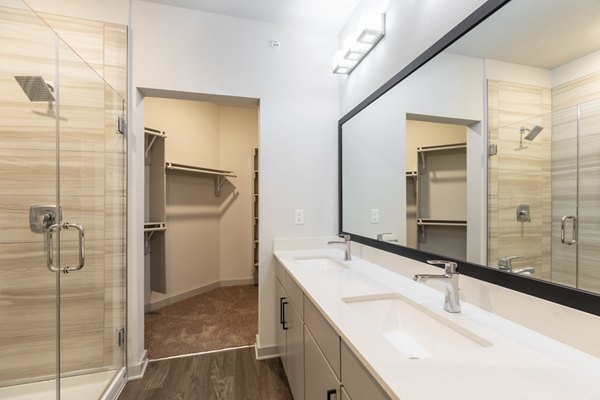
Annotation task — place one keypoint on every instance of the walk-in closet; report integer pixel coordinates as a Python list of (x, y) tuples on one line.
[(201, 229), (436, 187)]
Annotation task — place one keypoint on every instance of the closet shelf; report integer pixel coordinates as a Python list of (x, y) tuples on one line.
[(422, 223), (154, 133), (442, 147), (421, 151), (151, 227), (441, 222), (219, 174)]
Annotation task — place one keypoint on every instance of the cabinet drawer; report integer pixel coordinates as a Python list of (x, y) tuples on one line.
[(357, 380), (320, 381), (326, 337), (295, 295), (281, 272), (345, 395)]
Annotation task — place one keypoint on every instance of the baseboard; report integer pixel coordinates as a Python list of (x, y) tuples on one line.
[(264, 353), (237, 282), (194, 292), (116, 386), (137, 371)]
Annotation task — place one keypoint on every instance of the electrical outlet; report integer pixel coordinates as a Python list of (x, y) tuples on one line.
[(374, 215), (299, 216)]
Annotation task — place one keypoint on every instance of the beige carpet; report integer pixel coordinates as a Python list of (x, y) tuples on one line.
[(222, 318)]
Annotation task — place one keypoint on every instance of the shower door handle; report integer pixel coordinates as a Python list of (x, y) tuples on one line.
[(563, 222), (50, 247)]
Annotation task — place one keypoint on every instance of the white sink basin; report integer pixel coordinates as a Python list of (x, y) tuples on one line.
[(320, 262), (413, 329)]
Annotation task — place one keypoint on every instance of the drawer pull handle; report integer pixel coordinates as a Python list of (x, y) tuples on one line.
[(283, 318), (332, 394)]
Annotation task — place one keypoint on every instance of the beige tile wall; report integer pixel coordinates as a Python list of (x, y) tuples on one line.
[(519, 176), (92, 162)]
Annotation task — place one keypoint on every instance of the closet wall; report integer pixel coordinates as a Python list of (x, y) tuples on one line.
[(208, 238)]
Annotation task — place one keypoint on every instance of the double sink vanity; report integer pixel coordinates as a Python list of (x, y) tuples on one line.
[(356, 330)]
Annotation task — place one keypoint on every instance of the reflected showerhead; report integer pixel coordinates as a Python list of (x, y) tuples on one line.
[(532, 132), (36, 88)]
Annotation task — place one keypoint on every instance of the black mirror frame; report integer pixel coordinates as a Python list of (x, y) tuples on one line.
[(563, 295)]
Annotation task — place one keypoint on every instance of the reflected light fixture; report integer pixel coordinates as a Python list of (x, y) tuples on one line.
[(370, 28)]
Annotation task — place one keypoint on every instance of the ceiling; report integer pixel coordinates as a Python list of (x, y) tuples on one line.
[(327, 16), (537, 33)]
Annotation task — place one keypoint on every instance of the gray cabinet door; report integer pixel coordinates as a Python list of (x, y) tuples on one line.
[(279, 331), (321, 382), (295, 351)]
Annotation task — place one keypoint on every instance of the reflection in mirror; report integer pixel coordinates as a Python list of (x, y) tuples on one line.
[(490, 152)]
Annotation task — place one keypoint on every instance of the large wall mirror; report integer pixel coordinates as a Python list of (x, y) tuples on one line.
[(489, 153)]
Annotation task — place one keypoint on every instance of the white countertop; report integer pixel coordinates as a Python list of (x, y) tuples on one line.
[(520, 363)]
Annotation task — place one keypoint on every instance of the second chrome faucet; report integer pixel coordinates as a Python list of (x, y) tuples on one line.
[(452, 299)]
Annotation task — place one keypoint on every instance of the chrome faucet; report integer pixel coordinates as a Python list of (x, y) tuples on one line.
[(380, 237), (505, 264), (452, 299), (346, 242)]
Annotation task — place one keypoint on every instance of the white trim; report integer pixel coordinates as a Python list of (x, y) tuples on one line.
[(203, 352), (264, 353), (194, 292), (137, 371), (115, 387)]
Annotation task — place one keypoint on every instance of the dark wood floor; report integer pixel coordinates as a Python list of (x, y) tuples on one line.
[(225, 375)]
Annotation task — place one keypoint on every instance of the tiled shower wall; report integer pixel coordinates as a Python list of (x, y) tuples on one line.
[(519, 176), (575, 181), (92, 190)]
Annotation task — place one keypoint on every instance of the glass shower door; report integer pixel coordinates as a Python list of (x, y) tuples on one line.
[(28, 135), (588, 247), (92, 196), (565, 186), (62, 209)]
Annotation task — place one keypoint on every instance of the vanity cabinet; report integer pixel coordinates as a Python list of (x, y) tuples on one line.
[(318, 364), (344, 394), (290, 333), (358, 382), (321, 383)]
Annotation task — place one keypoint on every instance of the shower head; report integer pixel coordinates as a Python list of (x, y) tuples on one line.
[(532, 132), (36, 88)]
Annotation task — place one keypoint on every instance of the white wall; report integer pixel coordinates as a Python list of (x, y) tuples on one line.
[(411, 27), (238, 136), (575, 69), (523, 74), (186, 50), (374, 166), (115, 11)]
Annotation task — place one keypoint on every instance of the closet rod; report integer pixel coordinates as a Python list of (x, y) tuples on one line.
[(154, 229), (199, 170), (154, 132)]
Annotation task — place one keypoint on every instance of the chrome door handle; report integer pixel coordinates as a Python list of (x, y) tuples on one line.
[(50, 247), (563, 222)]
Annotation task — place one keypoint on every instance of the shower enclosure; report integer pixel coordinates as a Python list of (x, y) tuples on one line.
[(544, 184), (62, 213)]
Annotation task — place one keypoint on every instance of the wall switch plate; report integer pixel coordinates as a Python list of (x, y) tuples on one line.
[(299, 216), (374, 215)]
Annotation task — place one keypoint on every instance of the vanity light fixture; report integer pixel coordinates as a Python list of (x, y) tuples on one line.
[(354, 50), (370, 28), (342, 65)]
